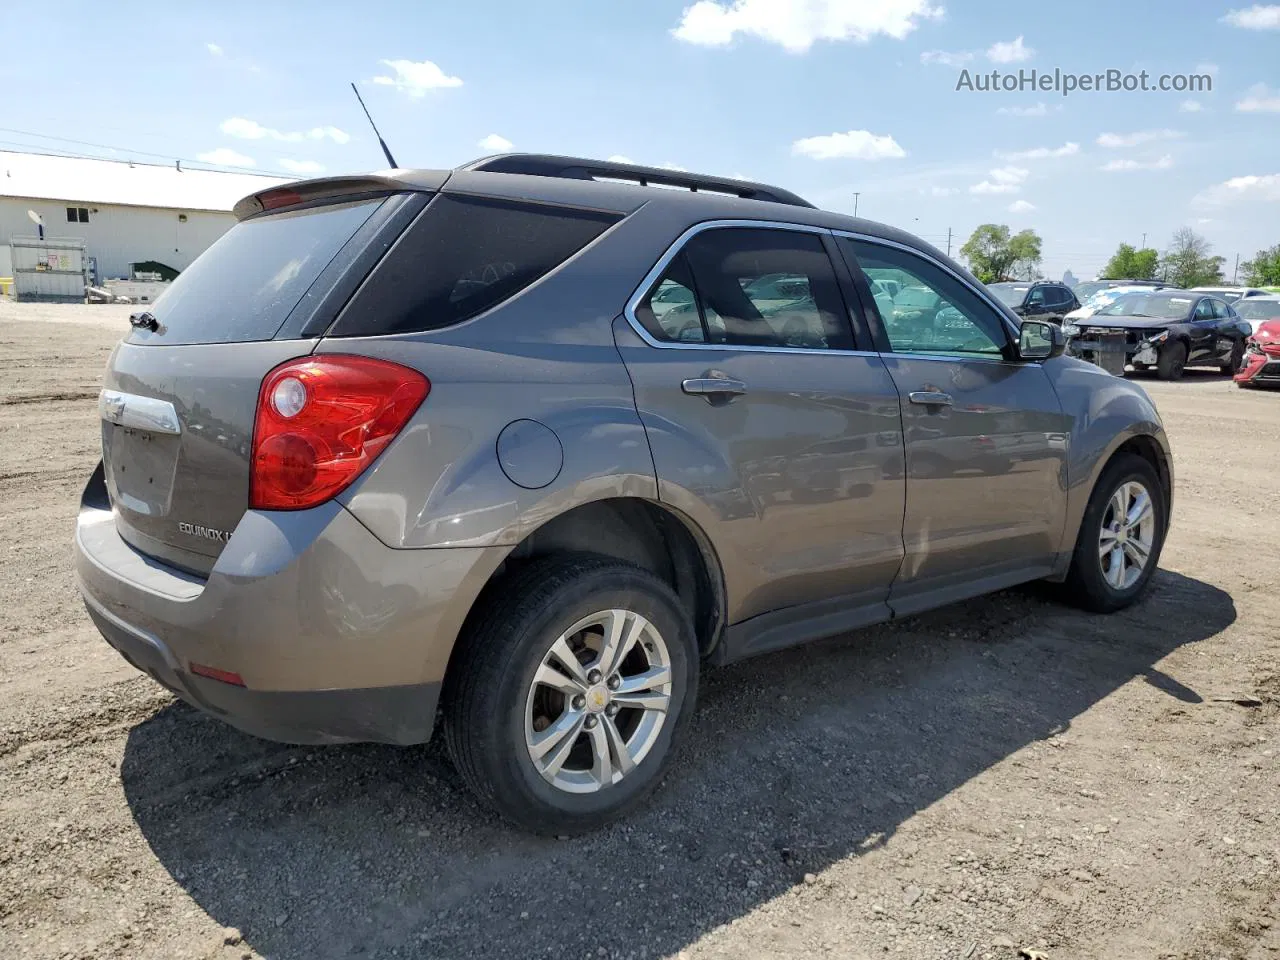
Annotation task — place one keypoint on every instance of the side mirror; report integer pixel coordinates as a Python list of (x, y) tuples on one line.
[(1039, 340)]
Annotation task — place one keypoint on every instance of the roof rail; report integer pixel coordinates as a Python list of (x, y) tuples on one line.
[(577, 168)]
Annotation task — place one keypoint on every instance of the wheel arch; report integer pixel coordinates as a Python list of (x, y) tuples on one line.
[(635, 530)]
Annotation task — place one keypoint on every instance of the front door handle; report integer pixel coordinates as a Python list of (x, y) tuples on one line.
[(714, 387), (931, 398)]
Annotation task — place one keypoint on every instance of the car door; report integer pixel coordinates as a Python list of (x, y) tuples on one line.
[(1229, 328), (1036, 305), (768, 429), (1059, 301), (1204, 332), (986, 438)]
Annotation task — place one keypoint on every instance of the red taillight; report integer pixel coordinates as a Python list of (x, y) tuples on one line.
[(322, 420)]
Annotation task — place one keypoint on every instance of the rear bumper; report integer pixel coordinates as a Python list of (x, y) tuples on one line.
[(337, 637)]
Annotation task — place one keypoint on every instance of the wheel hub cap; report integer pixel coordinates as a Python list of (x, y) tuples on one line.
[(597, 698), (1127, 536)]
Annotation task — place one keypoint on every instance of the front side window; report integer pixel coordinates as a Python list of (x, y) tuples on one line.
[(1204, 310), (749, 287), (934, 312)]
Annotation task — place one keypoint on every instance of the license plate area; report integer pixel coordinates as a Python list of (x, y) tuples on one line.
[(140, 466)]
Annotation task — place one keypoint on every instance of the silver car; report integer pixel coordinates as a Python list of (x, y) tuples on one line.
[(530, 443)]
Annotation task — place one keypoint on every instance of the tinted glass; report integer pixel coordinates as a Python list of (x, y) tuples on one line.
[(1163, 306), (934, 312), (243, 287), (1010, 294), (83, 214), (670, 311), (767, 288), (462, 256), (1220, 310)]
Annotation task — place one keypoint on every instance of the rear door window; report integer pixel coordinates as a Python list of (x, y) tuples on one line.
[(754, 288), (244, 286), (463, 256)]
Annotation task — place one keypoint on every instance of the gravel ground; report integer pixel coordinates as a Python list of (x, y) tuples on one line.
[(1003, 775)]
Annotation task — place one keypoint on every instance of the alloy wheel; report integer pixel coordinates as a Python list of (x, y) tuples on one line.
[(598, 701), (1127, 536)]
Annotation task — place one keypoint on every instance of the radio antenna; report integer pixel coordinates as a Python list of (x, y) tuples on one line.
[(382, 143)]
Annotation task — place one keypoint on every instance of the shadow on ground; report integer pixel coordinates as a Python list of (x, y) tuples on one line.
[(796, 760)]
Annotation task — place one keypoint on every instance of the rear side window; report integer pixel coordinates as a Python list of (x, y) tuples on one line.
[(750, 287), (245, 285), (462, 256)]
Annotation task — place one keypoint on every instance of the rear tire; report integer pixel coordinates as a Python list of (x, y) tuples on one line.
[(1172, 361), (1105, 575), (541, 740), (1232, 366)]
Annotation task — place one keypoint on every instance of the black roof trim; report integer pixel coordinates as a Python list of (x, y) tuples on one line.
[(578, 168)]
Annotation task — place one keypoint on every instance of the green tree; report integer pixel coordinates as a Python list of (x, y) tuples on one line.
[(995, 254), (1189, 263), (1132, 264), (1264, 269)]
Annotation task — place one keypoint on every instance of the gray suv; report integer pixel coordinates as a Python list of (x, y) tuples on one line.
[(531, 442)]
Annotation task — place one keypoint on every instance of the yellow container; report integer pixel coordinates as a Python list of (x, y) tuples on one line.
[(6, 286)]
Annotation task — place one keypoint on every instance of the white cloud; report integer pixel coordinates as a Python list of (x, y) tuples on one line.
[(619, 158), (1118, 140), (416, 78), (495, 143), (795, 25), (942, 191), (1260, 99), (855, 145), (1256, 17), (1253, 188), (300, 167), (1021, 206), (1190, 106), (668, 165), (225, 157), (214, 49), (943, 58), (1041, 153), (1002, 180), (1119, 166), (1039, 110), (252, 130), (1014, 51)]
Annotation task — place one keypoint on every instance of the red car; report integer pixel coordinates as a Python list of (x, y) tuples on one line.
[(1261, 357)]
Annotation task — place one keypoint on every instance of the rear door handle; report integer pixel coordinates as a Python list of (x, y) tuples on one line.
[(713, 387), (930, 398)]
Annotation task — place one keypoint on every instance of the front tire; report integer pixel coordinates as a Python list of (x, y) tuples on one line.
[(1172, 361), (570, 694), (1121, 536)]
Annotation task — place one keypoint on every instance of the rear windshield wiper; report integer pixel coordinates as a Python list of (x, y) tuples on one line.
[(144, 321)]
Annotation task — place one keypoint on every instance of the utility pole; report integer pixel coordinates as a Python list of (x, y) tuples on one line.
[(855, 203), (1235, 274), (1144, 242), (948, 241)]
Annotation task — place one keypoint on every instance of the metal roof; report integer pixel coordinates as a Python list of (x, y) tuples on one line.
[(81, 180)]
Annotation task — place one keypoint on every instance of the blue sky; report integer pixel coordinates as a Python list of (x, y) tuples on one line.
[(826, 97)]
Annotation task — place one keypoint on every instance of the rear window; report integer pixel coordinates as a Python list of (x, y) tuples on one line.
[(463, 256), (244, 286)]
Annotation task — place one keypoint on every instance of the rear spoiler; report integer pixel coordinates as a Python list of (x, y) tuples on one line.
[(304, 192)]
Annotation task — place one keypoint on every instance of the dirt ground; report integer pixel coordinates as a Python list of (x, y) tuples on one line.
[(1005, 774)]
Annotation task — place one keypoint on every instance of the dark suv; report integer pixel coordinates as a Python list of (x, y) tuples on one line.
[(1037, 300), (530, 442)]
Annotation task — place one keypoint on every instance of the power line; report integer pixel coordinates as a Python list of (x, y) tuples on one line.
[(40, 148)]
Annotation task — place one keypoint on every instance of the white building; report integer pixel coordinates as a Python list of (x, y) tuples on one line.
[(126, 212)]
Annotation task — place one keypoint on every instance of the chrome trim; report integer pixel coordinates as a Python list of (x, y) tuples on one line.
[(1015, 332), (139, 413), (672, 251)]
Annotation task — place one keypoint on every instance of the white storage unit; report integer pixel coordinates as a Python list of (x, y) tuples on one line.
[(123, 212), (47, 271)]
